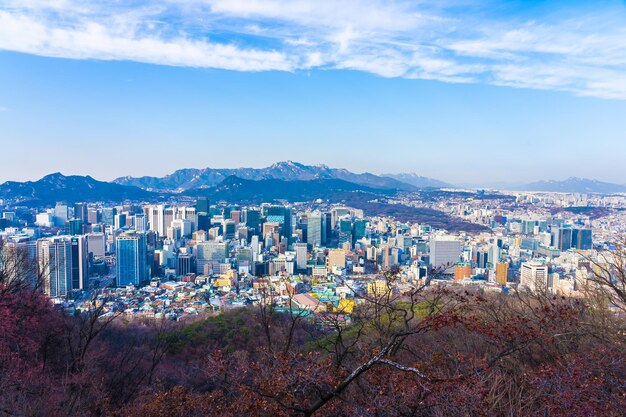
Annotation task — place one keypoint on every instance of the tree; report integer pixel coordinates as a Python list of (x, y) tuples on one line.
[(608, 275)]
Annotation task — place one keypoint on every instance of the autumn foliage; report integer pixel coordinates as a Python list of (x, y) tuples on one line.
[(424, 352)]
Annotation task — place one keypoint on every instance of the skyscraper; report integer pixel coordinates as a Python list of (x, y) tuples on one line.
[(156, 219), (445, 252), (93, 216), (235, 215), (169, 214), (184, 264), (96, 244), (582, 239), (345, 231), (204, 222), (131, 259), (253, 219), (202, 205), (502, 270), (119, 221), (74, 227), (493, 256), (282, 216), (481, 258), (22, 254), (108, 215), (210, 253), (327, 223), (301, 255), (55, 263), (80, 263), (315, 228), (61, 214), (228, 227), (565, 239), (81, 212), (358, 229), (140, 222), (534, 276)]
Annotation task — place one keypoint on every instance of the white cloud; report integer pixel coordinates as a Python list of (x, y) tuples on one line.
[(584, 55), (369, 15), (95, 41)]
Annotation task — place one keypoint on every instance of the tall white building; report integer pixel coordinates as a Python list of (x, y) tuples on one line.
[(169, 215), (188, 213), (156, 219), (96, 244), (55, 263), (44, 219), (445, 252), (534, 276), (301, 255), (61, 214)]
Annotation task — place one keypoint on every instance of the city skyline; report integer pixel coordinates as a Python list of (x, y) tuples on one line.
[(468, 93), (312, 208)]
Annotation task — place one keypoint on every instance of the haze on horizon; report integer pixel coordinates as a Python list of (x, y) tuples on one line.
[(473, 92)]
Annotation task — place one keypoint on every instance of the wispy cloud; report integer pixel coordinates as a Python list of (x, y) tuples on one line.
[(94, 40), (581, 53)]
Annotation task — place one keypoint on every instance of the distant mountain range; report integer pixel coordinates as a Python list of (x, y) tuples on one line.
[(58, 187), (187, 179), (282, 181), (575, 185), (418, 181), (235, 189), (372, 199)]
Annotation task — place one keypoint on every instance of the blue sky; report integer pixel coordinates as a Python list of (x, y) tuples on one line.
[(464, 91)]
